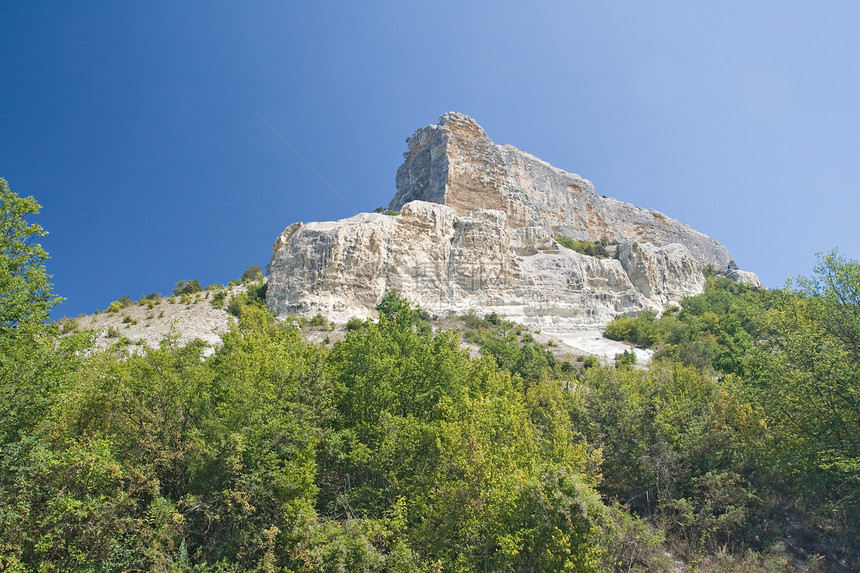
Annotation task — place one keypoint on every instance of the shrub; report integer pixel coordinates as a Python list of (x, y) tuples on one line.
[(597, 249), (254, 296), (218, 299), (115, 306), (187, 287), (252, 273), (354, 323), (149, 299), (68, 325), (318, 320), (642, 330), (625, 359)]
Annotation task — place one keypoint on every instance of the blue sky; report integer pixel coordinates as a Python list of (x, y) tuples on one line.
[(136, 126)]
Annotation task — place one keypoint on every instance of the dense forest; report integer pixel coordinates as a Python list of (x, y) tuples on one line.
[(736, 449)]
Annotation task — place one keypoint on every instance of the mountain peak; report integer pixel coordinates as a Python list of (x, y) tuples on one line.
[(483, 226)]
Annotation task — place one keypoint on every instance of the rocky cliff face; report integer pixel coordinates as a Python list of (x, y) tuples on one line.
[(475, 231), (456, 164)]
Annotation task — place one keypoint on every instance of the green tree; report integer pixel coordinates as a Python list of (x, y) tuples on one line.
[(672, 445), (187, 287), (804, 376), (25, 291), (252, 273), (33, 364)]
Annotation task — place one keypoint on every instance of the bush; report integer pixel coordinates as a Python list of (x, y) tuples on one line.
[(354, 323), (641, 330), (187, 287), (68, 325), (625, 359), (149, 299), (218, 299), (115, 306), (254, 296), (252, 273), (318, 320), (597, 249)]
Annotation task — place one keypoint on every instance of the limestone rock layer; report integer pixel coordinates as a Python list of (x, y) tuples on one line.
[(475, 231)]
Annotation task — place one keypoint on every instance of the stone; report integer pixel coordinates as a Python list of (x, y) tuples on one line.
[(747, 277), (475, 230), (456, 164)]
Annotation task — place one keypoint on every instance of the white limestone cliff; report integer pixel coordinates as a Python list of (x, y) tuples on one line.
[(475, 231)]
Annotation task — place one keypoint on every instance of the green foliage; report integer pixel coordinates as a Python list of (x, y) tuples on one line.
[(641, 330), (672, 441), (803, 377), (458, 442), (150, 299), (386, 211), (218, 299), (714, 331), (184, 287), (396, 309), (254, 296), (599, 249), (68, 325), (318, 320), (25, 290), (625, 359), (397, 451), (252, 273), (632, 544)]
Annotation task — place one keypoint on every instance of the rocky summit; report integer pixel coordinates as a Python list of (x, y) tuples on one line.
[(478, 227)]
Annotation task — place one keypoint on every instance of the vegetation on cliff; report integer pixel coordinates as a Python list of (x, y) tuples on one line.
[(601, 249), (395, 450)]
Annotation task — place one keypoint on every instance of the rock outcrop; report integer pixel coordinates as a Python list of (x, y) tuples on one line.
[(475, 230), (456, 164)]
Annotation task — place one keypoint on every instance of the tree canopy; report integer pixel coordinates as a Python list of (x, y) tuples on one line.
[(395, 449), (25, 290)]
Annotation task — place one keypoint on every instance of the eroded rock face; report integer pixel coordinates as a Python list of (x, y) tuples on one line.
[(456, 164), (475, 231), (449, 263)]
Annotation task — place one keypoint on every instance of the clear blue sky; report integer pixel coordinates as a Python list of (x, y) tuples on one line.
[(135, 124)]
